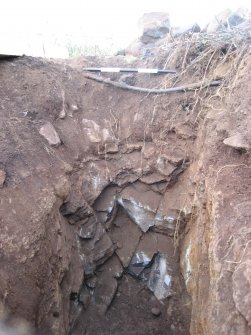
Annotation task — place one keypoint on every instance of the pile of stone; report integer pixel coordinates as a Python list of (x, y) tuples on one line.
[(155, 28)]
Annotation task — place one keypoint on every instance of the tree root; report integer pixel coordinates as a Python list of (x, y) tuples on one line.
[(185, 88)]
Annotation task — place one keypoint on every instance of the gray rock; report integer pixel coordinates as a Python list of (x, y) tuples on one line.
[(142, 217), (141, 204), (124, 227), (107, 285), (50, 134), (103, 250), (106, 202), (76, 208), (154, 26), (160, 279)]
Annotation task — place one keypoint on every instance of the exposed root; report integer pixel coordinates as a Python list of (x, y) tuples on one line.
[(180, 89)]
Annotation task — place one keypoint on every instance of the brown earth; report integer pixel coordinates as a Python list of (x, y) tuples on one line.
[(92, 177)]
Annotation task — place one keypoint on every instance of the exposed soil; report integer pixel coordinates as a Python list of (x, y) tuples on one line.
[(126, 213)]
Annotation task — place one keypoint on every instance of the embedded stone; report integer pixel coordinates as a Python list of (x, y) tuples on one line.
[(138, 263), (107, 284), (141, 204), (63, 188), (156, 311), (124, 227), (50, 134), (88, 230), (237, 142), (160, 278)]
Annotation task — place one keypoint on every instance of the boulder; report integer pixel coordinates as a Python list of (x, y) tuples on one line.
[(154, 26), (226, 20)]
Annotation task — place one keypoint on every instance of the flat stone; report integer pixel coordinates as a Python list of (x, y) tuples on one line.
[(2, 178), (130, 147), (50, 134), (166, 224), (76, 208), (107, 284), (237, 142), (111, 148), (152, 244), (160, 278), (164, 167), (95, 133), (152, 178), (143, 218), (105, 202), (159, 187), (141, 204), (103, 250), (124, 227)]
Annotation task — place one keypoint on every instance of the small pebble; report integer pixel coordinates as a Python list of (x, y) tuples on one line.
[(156, 311)]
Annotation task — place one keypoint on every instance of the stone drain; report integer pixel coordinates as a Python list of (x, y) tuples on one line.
[(124, 237)]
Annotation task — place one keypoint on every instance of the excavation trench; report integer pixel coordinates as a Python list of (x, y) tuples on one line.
[(124, 212), (132, 277)]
